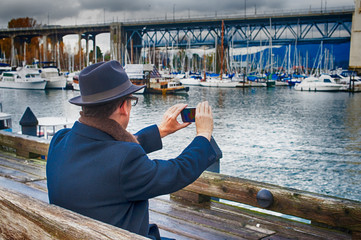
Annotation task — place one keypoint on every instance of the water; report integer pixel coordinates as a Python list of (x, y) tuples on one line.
[(304, 140)]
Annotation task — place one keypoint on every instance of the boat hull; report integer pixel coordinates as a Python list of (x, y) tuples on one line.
[(57, 83), (164, 91), (315, 88), (219, 84), (24, 85), (190, 82), (355, 88), (140, 91), (76, 87)]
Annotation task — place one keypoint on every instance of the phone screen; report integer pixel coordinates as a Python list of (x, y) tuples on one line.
[(188, 115)]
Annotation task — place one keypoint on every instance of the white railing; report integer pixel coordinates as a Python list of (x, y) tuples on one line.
[(218, 16)]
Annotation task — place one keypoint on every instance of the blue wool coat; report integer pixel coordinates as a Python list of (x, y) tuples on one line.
[(91, 173)]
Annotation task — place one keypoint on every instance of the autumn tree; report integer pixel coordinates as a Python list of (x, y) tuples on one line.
[(30, 49), (22, 23), (99, 54)]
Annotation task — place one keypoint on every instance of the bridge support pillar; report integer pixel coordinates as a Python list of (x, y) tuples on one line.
[(117, 42), (45, 48), (12, 63), (79, 51), (355, 57), (95, 57), (87, 50)]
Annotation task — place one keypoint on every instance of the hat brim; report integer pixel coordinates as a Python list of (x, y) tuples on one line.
[(79, 101)]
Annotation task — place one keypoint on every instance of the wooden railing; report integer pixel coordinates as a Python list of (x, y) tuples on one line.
[(24, 145), (341, 214), (23, 217)]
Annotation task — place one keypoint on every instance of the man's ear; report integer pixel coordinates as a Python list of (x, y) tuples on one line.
[(124, 109)]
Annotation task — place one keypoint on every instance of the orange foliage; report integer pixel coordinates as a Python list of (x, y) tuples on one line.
[(27, 46), (22, 22)]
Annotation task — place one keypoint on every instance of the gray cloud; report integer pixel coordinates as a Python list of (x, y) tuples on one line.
[(40, 10), (83, 11)]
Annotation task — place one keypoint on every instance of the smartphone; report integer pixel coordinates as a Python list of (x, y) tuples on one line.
[(188, 115)]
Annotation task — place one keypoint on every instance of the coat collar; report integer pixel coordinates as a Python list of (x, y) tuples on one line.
[(93, 132)]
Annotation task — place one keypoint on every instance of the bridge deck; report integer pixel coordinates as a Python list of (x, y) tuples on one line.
[(175, 219)]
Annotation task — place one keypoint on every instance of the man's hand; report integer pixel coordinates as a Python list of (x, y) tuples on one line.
[(204, 120), (169, 122)]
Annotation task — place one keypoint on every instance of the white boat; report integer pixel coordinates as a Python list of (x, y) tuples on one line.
[(355, 85), (53, 77), (22, 79), (4, 67), (281, 83), (323, 83), (76, 83), (191, 81), (216, 82)]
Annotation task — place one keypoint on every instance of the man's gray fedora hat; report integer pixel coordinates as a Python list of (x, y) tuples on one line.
[(103, 82)]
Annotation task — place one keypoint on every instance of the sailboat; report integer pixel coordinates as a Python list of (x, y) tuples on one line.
[(219, 82)]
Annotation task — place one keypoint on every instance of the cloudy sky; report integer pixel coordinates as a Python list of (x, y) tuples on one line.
[(71, 12), (77, 12)]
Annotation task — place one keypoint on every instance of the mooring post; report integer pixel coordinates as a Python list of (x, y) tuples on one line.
[(29, 123)]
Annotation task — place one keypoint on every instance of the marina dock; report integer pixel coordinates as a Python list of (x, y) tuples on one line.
[(187, 214)]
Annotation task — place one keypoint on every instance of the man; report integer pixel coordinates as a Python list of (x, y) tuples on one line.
[(100, 170)]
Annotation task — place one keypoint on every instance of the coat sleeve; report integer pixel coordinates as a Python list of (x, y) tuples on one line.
[(149, 138), (142, 178)]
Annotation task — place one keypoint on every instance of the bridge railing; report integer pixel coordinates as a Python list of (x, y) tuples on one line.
[(221, 15)]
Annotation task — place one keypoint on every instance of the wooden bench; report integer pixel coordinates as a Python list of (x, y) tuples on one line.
[(194, 215)]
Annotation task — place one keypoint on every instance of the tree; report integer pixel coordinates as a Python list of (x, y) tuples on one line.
[(99, 54), (32, 45), (22, 22)]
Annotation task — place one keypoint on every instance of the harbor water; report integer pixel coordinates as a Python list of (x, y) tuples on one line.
[(304, 140)]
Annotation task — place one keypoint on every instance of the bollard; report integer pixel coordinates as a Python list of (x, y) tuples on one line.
[(29, 123), (264, 198)]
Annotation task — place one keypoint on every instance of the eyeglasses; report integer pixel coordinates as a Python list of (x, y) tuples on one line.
[(133, 100)]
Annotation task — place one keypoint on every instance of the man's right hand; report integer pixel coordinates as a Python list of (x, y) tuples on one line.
[(204, 120)]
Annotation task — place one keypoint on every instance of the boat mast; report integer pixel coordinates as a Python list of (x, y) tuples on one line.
[(204, 63), (289, 59), (270, 43), (222, 49)]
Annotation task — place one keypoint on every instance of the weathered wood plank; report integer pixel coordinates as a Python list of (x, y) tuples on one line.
[(193, 230), (27, 165), (239, 221), (332, 211), (24, 189), (24, 144), (208, 222), (282, 226), (22, 217)]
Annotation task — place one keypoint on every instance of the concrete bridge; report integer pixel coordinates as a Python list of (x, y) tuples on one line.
[(333, 25)]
